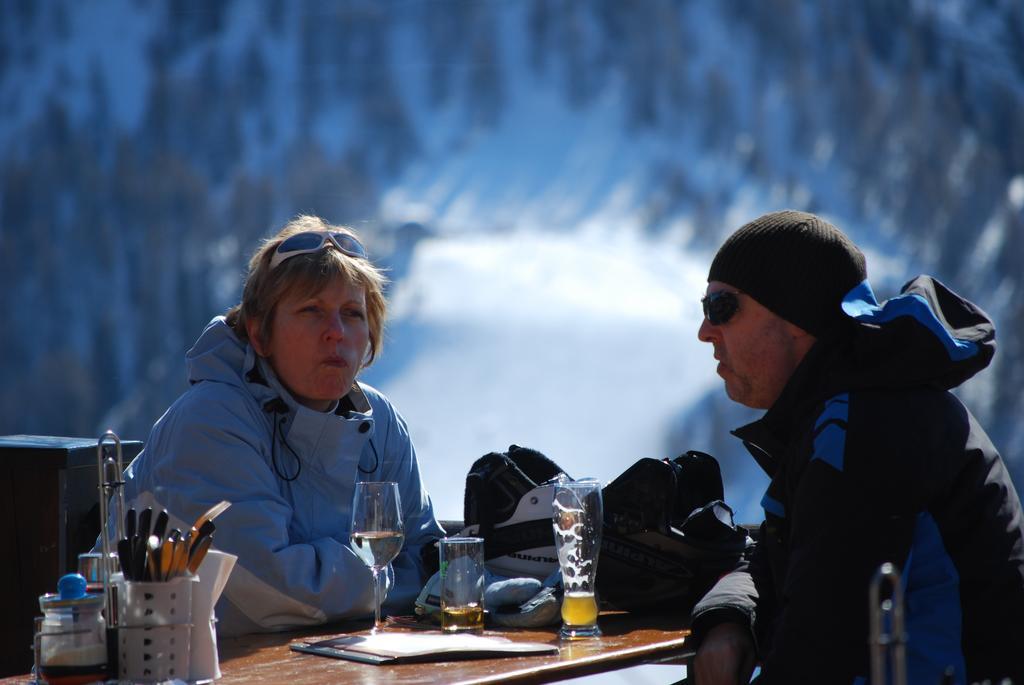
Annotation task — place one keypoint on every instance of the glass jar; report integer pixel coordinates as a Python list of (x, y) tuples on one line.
[(72, 637)]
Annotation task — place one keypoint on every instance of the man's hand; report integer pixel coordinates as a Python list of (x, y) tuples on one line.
[(725, 657)]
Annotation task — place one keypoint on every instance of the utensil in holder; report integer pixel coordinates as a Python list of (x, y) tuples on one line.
[(155, 629)]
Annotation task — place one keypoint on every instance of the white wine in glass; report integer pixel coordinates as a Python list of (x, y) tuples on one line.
[(377, 533)]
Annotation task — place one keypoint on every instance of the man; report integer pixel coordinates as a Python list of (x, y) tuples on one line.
[(872, 459)]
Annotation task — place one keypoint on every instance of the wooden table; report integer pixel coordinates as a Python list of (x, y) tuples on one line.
[(627, 641)]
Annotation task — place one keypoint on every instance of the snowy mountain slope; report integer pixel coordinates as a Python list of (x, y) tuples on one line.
[(581, 346), (573, 167)]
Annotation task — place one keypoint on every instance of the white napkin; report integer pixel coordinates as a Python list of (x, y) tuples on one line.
[(213, 576)]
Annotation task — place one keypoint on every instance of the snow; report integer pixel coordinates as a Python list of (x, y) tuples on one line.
[(581, 346), (541, 314), (1015, 193)]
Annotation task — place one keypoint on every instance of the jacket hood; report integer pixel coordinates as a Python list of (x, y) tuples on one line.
[(927, 335), (218, 355)]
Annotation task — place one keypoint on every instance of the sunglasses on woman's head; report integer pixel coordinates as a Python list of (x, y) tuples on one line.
[(314, 241), (720, 306)]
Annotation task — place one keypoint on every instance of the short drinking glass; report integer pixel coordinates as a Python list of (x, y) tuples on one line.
[(377, 533), (462, 584), (578, 518)]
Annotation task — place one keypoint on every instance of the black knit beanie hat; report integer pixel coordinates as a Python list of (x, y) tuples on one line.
[(796, 264)]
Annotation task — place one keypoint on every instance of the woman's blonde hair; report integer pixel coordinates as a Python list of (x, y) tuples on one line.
[(307, 274)]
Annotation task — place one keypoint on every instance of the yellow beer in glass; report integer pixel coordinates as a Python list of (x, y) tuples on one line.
[(462, 584), (579, 609), (577, 517), (459, 619)]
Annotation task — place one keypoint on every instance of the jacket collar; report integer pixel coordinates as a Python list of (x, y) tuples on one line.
[(261, 374), (811, 382), (926, 336), (354, 402), (330, 442)]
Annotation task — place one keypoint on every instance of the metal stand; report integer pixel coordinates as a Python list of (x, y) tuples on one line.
[(37, 652), (111, 487), (888, 636), (37, 648)]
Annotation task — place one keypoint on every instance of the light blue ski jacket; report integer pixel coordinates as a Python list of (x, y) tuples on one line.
[(217, 441)]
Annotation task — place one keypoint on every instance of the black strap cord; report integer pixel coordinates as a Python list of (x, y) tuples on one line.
[(278, 406), (376, 459)]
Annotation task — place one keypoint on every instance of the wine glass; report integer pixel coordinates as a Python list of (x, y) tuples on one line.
[(377, 533)]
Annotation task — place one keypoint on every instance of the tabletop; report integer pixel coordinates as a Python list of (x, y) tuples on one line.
[(627, 640)]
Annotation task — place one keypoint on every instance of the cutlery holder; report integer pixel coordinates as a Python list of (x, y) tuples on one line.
[(155, 629)]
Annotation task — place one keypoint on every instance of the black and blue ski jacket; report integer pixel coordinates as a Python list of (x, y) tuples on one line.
[(872, 459)]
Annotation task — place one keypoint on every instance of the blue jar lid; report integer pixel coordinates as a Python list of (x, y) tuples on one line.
[(71, 586), (71, 595)]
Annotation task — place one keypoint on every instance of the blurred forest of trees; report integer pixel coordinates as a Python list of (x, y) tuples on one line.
[(118, 240)]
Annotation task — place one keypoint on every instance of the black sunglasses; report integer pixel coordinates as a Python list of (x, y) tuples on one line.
[(720, 306)]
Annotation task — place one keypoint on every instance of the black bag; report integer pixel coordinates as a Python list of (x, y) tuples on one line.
[(668, 536)]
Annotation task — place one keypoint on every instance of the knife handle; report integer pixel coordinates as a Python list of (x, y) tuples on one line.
[(124, 557), (160, 525), (153, 558), (195, 558), (145, 518), (165, 559), (129, 523), (138, 556), (180, 558)]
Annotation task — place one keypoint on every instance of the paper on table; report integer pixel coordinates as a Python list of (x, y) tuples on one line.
[(400, 646)]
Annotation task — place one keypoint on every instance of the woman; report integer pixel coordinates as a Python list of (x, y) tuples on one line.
[(276, 423)]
